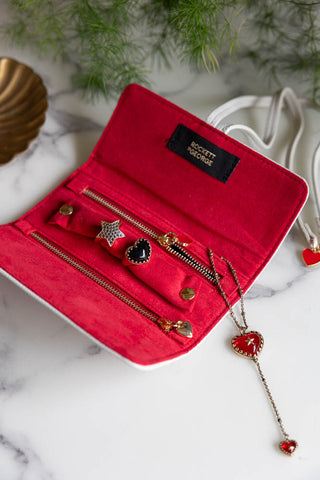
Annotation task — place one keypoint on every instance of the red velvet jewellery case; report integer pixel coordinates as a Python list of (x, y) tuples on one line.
[(157, 169)]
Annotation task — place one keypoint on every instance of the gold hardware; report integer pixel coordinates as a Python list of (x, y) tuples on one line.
[(66, 210), (165, 324), (187, 293), (314, 244), (183, 328), (23, 100), (168, 239), (114, 208)]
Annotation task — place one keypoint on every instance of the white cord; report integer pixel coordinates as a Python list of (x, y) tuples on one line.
[(284, 98), (315, 182)]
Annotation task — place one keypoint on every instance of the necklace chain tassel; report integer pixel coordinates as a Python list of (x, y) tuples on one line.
[(249, 345)]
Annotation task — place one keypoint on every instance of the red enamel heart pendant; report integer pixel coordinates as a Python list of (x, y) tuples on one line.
[(248, 345), (288, 447), (310, 257)]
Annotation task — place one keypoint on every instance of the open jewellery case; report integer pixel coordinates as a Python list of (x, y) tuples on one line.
[(182, 186)]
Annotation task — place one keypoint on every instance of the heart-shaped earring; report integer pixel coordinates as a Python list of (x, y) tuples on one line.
[(288, 446), (311, 257), (139, 252)]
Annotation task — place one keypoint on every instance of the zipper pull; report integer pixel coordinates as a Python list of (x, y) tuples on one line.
[(182, 328), (170, 238)]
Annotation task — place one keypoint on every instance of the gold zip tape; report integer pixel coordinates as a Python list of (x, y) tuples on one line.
[(173, 248), (183, 328)]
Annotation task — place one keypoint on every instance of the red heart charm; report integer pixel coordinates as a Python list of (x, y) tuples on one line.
[(288, 447), (248, 345), (310, 257)]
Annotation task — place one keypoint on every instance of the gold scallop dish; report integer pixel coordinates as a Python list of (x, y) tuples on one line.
[(23, 103)]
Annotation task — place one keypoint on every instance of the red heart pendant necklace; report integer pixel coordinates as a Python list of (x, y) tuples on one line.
[(249, 345)]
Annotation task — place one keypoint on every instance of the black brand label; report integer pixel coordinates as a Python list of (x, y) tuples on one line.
[(204, 154)]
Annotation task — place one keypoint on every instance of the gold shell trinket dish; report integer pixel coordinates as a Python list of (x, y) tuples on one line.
[(23, 103)]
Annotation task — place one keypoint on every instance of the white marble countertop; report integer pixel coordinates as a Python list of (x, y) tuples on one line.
[(70, 410)]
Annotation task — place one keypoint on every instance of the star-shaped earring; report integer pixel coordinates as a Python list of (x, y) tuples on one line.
[(110, 232)]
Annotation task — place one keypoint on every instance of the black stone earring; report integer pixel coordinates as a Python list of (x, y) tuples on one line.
[(139, 252)]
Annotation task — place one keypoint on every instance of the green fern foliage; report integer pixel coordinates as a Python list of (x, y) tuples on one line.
[(112, 42), (285, 41)]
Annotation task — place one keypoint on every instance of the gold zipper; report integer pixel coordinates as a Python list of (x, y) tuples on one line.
[(169, 241), (183, 328)]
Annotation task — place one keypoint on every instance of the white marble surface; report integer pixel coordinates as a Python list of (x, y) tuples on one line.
[(69, 410)]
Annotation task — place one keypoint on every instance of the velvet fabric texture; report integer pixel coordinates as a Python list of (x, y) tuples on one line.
[(244, 220)]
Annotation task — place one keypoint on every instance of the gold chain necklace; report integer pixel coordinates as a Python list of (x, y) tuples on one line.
[(249, 345)]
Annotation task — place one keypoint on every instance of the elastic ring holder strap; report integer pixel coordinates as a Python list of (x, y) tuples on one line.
[(284, 98)]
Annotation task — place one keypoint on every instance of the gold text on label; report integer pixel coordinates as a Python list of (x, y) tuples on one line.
[(201, 153)]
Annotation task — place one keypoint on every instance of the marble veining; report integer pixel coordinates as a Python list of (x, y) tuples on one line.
[(21, 462)]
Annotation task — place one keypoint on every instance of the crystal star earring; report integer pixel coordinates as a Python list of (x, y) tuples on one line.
[(110, 231)]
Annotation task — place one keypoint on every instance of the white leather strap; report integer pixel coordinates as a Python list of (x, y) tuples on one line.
[(285, 98)]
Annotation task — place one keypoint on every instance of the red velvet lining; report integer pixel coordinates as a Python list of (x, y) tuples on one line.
[(165, 274), (244, 220)]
